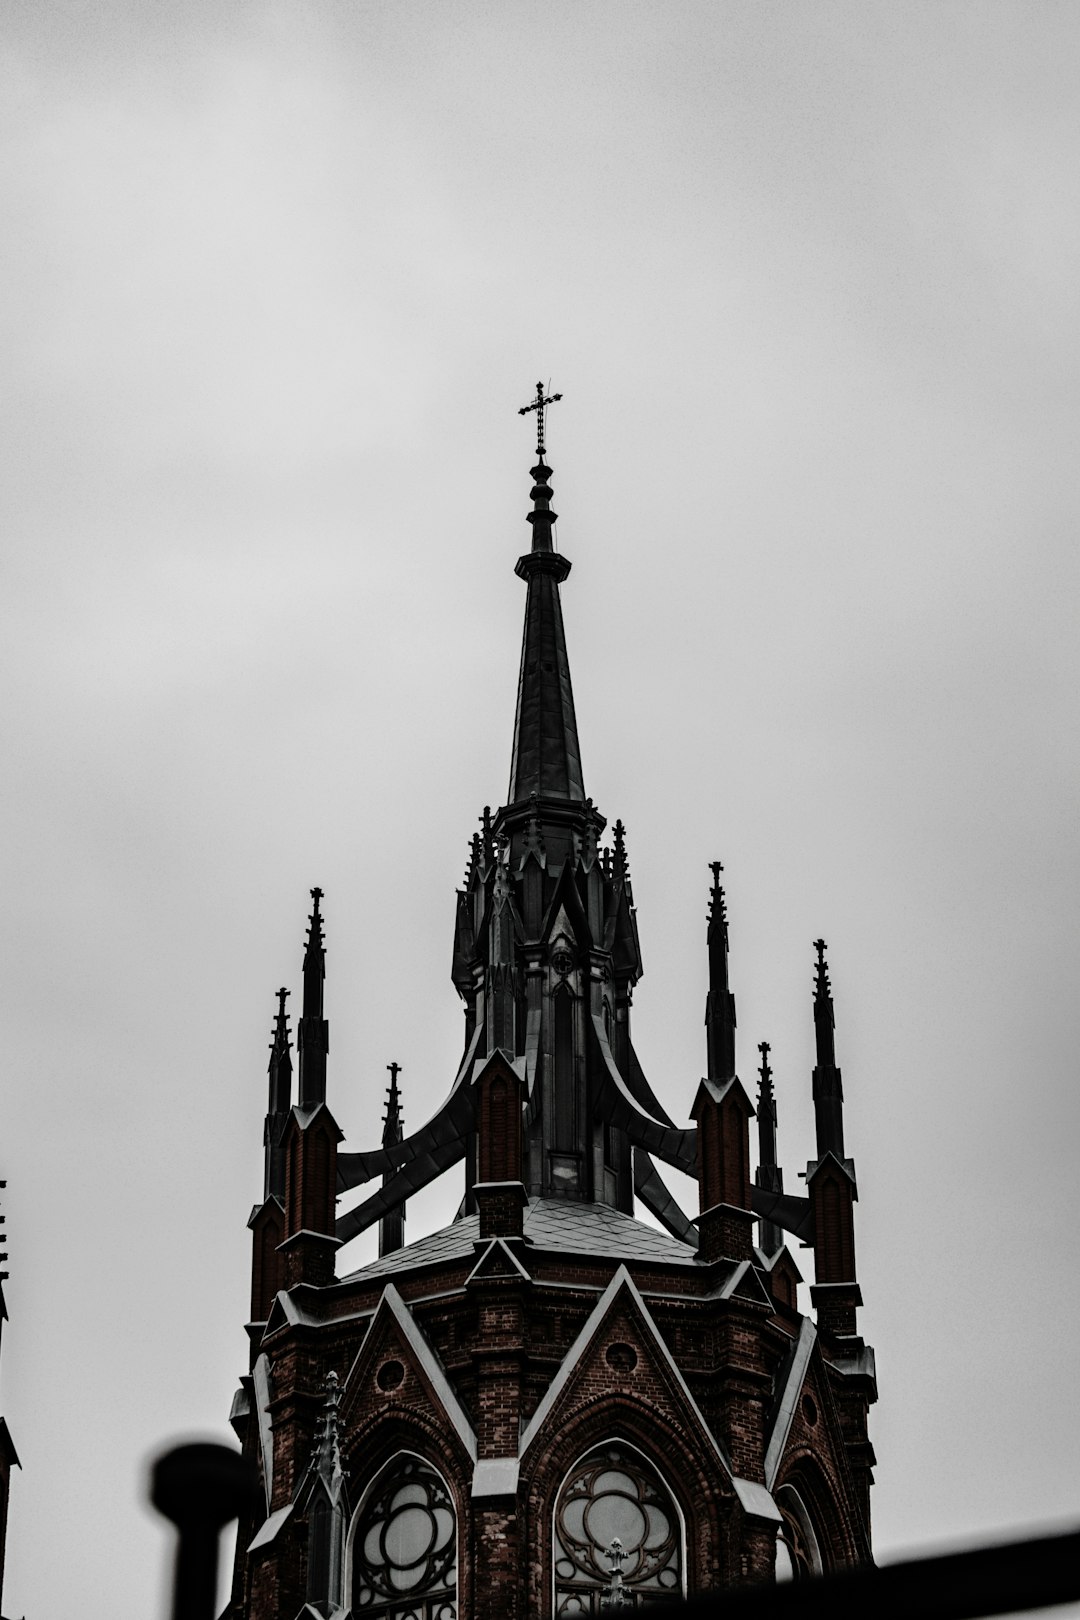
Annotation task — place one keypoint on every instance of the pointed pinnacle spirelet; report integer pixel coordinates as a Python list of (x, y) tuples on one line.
[(393, 1126)]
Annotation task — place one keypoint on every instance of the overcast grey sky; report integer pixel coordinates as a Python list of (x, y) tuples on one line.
[(275, 280)]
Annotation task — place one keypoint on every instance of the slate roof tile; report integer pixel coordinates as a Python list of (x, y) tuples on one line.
[(550, 1224)]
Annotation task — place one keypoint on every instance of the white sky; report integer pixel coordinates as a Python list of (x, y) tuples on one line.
[(275, 280)]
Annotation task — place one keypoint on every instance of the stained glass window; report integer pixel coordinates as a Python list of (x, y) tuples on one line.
[(797, 1551), (618, 1543), (404, 1546)]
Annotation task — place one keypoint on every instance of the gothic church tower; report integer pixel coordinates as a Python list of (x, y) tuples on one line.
[(549, 1408)]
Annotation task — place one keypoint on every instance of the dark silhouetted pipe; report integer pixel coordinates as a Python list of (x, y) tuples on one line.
[(200, 1488)]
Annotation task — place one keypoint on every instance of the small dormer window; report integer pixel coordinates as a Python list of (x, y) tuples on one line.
[(562, 956)]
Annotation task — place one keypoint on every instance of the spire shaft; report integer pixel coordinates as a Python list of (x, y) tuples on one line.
[(720, 1004), (313, 1033), (769, 1175), (392, 1225), (279, 1103), (547, 756), (828, 1088)]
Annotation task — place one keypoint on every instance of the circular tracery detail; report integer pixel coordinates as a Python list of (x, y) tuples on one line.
[(405, 1547), (390, 1375), (617, 1542)]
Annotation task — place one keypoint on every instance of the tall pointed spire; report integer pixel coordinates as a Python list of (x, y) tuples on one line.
[(769, 1175), (546, 758), (313, 1034), (720, 1004), (279, 1102), (280, 1067), (828, 1088)]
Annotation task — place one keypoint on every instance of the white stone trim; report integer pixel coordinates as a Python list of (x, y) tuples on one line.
[(497, 1242), (495, 1476), (756, 1501), (785, 1416), (270, 1528), (260, 1377)]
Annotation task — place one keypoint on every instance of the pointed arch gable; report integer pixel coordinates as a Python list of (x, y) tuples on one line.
[(394, 1324), (566, 897), (621, 1288), (815, 1463)]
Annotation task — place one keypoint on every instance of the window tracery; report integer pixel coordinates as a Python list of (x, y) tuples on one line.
[(798, 1554), (618, 1539), (404, 1546)]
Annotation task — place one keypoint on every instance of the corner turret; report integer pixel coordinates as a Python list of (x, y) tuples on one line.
[(830, 1178), (312, 1134)]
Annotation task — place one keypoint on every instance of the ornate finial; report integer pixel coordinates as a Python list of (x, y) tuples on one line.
[(533, 847), (538, 405), (393, 1129), (822, 990), (487, 842), (765, 1072), (616, 1595), (315, 933), (327, 1456), (619, 867), (280, 1040), (588, 842), (717, 901)]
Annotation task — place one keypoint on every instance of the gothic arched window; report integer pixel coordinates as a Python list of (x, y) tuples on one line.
[(797, 1552), (404, 1546), (618, 1536)]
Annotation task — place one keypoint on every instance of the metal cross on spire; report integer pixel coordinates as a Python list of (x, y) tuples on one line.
[(538, 406)]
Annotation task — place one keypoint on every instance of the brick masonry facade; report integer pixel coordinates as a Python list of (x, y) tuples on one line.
[(691, 1380)]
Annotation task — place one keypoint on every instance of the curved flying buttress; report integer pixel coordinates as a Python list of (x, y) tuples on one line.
[(617, 1104), (421, 1169), (449, 1121), (650, 1187)]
